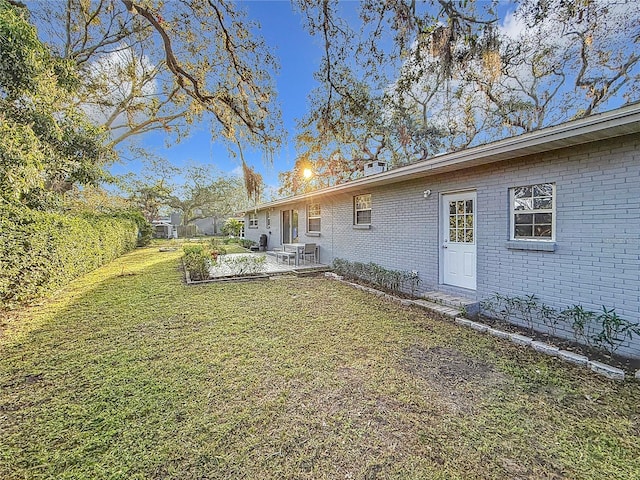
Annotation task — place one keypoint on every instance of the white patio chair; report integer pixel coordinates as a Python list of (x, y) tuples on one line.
[(309, 249)]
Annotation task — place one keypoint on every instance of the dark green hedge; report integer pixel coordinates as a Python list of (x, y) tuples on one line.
[(41, 251)]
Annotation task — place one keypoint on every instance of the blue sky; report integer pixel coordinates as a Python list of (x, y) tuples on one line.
[(299, 55)]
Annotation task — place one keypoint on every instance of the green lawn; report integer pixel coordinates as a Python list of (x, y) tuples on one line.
[(229, 247), (128, 373)]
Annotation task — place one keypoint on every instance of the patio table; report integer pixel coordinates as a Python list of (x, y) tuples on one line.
[(298, 248)]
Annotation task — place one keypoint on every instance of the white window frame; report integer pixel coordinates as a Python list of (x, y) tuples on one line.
[(253, 220), (268, 219), (533, 211), (314, 216), (356, 209)]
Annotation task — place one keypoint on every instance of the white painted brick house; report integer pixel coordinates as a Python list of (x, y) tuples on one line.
[(555, 213)]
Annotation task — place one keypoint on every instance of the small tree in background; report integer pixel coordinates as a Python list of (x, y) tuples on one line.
[(232, 226)]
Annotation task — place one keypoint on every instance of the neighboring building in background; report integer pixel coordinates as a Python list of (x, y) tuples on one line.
[(200, 226), (163, 228)]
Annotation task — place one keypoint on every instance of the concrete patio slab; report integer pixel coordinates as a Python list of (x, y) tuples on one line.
[(272, 265)]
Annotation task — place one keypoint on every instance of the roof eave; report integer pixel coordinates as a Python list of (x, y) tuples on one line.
[(615, 123)]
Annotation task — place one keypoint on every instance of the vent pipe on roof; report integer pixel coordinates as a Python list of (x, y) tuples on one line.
[(371, 168)]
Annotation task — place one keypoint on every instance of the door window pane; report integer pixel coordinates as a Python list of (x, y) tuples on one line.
[(468, 206), (461, 221), (294, 226), (468, 221), (468, 236)]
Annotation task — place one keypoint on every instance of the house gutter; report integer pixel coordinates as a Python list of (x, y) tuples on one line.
[(615, 123)]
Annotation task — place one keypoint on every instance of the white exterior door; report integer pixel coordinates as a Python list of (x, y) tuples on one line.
[(459, 239)]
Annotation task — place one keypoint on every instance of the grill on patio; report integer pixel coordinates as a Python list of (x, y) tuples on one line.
[(263, 243)]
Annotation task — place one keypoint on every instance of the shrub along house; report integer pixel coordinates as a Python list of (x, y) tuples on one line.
[(553, 213)]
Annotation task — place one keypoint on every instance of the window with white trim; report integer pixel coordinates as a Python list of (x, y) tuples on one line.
[(533, 212), (268, 219), (313, 218), (253, 220), (362, 209)]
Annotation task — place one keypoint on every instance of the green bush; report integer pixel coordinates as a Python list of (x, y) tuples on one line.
[(217, 247), (246, 243), (43, 251), (396, 281), (605, 331), (197, 261), (194, 248), (145, 230), (232, 226), (243, 242)]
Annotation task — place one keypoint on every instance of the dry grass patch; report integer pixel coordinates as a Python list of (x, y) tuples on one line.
[(460, 380)]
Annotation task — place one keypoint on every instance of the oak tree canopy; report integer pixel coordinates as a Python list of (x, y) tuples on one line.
[(408, 79)]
